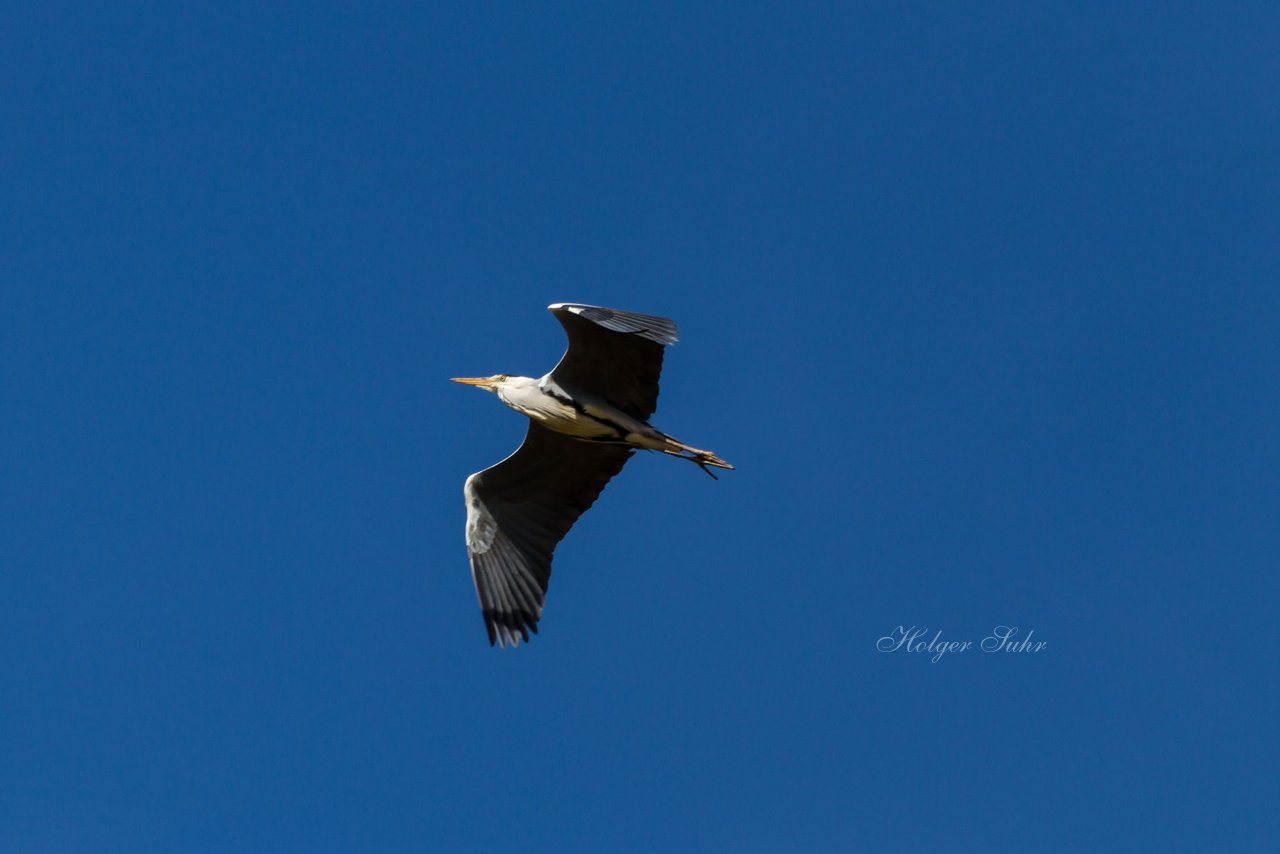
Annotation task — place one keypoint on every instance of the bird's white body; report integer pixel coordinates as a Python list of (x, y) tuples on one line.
[(576, 414)]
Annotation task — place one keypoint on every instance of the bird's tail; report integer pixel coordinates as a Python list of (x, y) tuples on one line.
[(694, 455)]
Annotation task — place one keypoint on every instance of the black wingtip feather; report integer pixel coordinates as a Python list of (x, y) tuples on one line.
[(660, 330), (509, 628)]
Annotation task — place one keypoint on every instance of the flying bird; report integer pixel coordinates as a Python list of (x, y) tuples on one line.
[(586, 418)]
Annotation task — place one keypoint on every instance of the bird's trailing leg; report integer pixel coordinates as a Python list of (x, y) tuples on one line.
[(697, 456)]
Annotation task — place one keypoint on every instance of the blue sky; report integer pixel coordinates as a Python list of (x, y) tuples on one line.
[(981, 302)]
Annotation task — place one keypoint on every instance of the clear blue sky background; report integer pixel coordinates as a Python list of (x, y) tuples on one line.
[(981, 301)]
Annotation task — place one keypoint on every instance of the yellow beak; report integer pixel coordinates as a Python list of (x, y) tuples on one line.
[(480, 381)]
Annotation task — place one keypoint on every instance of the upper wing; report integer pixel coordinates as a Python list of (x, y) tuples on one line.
[(517, 511), (613, 355)]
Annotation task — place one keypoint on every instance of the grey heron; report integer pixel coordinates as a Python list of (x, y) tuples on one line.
[(586, 418)]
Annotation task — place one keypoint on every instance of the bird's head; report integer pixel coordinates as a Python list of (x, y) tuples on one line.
[(492, 383)]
